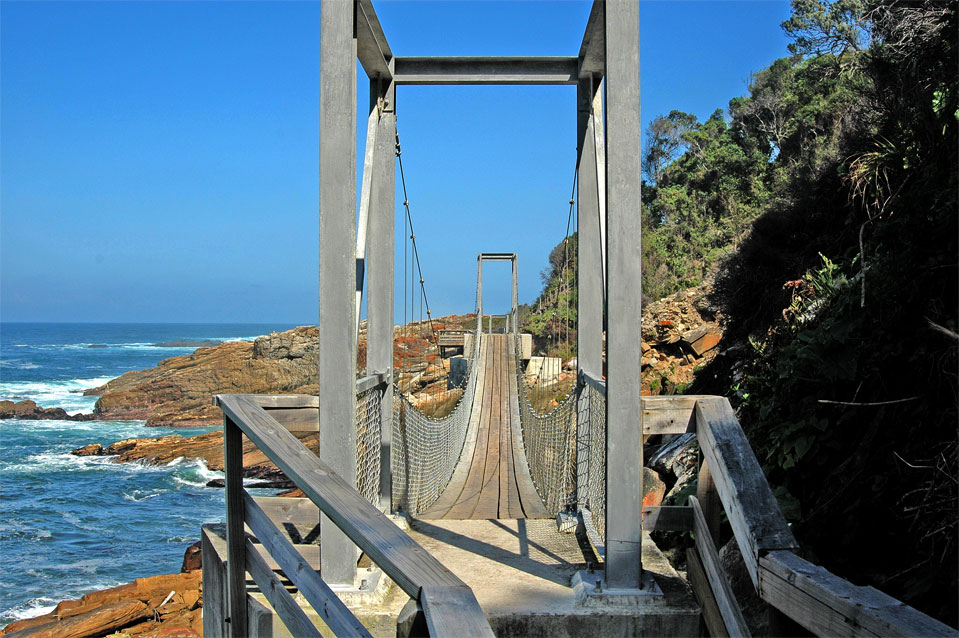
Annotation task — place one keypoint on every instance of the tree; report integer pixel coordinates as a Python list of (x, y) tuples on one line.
[(820, 27), (665, 142)]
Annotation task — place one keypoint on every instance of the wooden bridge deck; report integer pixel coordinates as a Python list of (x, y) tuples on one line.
[(492, 480)]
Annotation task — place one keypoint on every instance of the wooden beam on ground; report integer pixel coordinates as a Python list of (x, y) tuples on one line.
[(752, 509), (485, 70), (732, 615), (827, 605)]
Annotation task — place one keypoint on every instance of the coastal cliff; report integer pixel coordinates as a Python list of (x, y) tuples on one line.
[(178, 391)]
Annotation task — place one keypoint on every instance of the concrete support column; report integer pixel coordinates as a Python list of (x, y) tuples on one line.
[(590, 215), (515, 309), (479, 294), (379, 304), (624, 444), (337, 272)]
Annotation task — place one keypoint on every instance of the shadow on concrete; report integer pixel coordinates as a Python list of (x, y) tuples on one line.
[(557, 571)]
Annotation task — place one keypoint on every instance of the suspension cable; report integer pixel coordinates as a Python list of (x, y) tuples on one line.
[(569, 220), (416, 254)]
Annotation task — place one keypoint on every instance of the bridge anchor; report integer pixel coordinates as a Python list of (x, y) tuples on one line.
[(591, 590)]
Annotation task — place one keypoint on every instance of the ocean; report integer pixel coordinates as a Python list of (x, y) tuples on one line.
[(71, 525)]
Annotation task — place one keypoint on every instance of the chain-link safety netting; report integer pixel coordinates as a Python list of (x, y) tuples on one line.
[(591, 448), (550, 441), (368, 406), (425, 449)]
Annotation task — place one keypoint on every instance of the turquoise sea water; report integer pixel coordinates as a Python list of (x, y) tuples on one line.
[(70, 525)]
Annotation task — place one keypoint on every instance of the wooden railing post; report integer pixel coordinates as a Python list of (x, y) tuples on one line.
[(235, 534), (709, 500)]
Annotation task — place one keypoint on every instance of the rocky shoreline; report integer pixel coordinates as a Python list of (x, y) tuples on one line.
[(207, 447), (165, 606)]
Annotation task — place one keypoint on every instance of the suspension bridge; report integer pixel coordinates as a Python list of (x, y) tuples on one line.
[(496, 518)]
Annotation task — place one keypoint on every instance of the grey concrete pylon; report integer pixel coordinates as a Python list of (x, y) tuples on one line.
[(381, 240), (624, 438), (337, 271)]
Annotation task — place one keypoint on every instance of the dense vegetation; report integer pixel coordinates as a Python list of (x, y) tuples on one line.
[(846, 288), (551, 319), (825, 203)]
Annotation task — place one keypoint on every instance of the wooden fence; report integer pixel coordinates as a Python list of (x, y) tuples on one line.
[(448, 604)]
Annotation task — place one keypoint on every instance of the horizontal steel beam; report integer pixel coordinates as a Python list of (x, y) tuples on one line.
[(486, 70), (592, 54), (496, 256), (372, 49)]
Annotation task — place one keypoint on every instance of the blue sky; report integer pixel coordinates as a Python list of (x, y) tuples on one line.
[(158, 161)]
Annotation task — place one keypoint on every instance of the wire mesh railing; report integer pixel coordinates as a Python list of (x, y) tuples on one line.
[(550, 440), (368, 413), (591, 452), (426, 449)]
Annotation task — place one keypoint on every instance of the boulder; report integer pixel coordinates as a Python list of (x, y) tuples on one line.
[(702, 339), (680, 458), (94, 449), (192, 558), (208, 447), (679, 337), (29, 410), (653, 488)]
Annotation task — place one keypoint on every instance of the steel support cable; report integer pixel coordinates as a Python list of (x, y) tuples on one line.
[(416, 254), (569, 220)]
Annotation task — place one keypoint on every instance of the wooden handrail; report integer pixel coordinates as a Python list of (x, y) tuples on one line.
[(820, 601), (752, 509), (326, 603), (415, 571)]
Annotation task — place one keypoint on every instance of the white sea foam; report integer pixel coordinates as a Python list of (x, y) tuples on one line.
[(64, 461), (19, 365), (54, 394), (194, 473), (30, 609), (140, 496)]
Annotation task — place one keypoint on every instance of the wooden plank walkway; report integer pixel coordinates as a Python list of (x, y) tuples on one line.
[(493, 480)]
